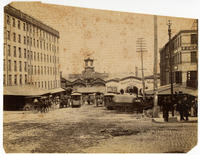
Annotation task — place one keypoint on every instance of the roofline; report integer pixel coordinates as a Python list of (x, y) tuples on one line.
[(173, 38), (27, 18)]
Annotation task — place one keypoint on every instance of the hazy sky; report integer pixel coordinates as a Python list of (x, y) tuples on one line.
[(109, 36)]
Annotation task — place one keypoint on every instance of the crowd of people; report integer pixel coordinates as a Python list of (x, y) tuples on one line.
[(180, 103)]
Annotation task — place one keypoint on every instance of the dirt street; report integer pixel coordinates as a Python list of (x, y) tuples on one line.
[(91, 129)]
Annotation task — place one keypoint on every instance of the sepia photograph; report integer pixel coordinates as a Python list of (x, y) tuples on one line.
[(87, 80)]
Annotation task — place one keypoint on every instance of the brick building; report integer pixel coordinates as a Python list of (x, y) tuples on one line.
[(184, 47), (31, 51)]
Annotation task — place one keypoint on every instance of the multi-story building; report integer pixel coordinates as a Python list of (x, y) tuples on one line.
[(31, 51), (183, 47)]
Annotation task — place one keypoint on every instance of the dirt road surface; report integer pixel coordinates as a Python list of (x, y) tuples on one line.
[(91, 129)]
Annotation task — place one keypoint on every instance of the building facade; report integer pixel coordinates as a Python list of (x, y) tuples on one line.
[(184, 50), (31, 51), (88, 81)]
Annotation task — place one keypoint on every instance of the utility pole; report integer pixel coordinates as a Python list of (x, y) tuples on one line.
[(170, 61), (141, 48), (155, 107)]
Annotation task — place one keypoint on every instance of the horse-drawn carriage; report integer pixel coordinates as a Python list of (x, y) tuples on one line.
[(39, 103), (127, 103)]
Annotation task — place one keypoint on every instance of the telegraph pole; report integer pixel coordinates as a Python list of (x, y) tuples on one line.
[(155, 107), (141, 48), (170, 60)]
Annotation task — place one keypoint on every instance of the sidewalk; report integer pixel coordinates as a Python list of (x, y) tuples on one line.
[(174, 119)]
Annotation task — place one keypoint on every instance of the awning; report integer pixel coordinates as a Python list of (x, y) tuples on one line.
[(91, 89), (165, 90), (24, 90), (56, 90)]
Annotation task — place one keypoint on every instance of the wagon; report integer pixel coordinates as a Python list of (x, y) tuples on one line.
[(127, 103)]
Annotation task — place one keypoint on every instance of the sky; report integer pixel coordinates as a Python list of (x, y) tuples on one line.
[(109, 37)]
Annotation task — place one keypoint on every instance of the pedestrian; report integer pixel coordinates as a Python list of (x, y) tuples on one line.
[(165, 108), (186, 107), (180, 109)]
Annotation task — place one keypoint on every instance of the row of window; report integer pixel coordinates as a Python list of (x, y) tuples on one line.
[(43, 70), (32, 42), (30, 55), (32, 70), (15, 82), (42, 84), (31, 29)]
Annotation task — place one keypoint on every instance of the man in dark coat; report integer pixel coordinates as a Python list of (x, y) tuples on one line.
[(186, 107), (165, 107), (180, 108)]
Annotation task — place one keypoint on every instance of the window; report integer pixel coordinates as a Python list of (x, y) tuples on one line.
[(39, 84), (19, 38), (34, 42), (31, 41), (25, 66), (193, 56), (44, 45), (35, 70), (31, 55), (41, 57), (10, 80), (20, 53), (41, 44), (9, 53), (48, 70), (37, 43), (50, 58), (24, 26), (4, 67), (26, 80), (34, 56), (14, 36), (20, 79), (25, 40), (13, 22), (50, 47), (45, 70), (24, 53), (38, 57), (47, 46), (19, 24), (15, 66), (9, 65), (8, 19), (15, 80), (194, 39), (20, 66), (4, 79), (38, 70), (14, 51), (41, 70), (42, 84), (28, 54), (45, 84), (47, 58), (44, 57), (8, 35)]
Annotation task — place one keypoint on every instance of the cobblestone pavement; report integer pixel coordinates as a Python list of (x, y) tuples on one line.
[(94, 130)]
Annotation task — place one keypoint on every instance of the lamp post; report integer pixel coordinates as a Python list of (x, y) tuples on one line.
[(170, 61)]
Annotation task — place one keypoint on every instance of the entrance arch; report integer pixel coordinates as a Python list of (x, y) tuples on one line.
[(132, 90)]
